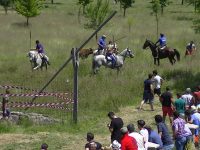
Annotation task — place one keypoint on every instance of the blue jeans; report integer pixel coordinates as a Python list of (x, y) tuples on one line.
[(180, 143), (168, 147)]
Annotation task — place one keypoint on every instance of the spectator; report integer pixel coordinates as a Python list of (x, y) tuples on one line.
[(92, 145), (138, 137), (127, 142), (197, 96), (5, 109), (44, 146), (180, 105), (164, 133), (158, 82), (143, 132), (188, 98), (154, 137), (190, 48), (166, 101), (116, 145), (115, 126), (148, 94), (191, 117), (179, 132)]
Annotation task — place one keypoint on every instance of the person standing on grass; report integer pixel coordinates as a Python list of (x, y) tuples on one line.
[(148, 94), (5, 109), (164, 133), (138, 137), (158, 81), (167, 102), (196, 95), (115, 126), (179, 132), (92, 145), (180, 105), (188, 98)]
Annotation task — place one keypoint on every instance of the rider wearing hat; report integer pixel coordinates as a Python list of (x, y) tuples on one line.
[(102, 43)]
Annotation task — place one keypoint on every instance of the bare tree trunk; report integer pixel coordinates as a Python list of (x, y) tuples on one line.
[(157, 25), (51, 1), (6, 10), (182, 2), (27, 21), (124, 12)]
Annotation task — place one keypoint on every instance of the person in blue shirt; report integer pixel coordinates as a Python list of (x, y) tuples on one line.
[(154, 137), (162, 41), (102, 43)]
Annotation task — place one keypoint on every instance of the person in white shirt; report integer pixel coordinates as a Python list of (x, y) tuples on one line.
[(138, 137), (144, 132), (158, 81), (188, 98)]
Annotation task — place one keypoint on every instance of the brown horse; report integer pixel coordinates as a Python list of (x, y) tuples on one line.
[(84, 53), (167, 52)]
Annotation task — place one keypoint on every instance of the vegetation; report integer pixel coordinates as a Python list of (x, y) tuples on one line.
[(58, 30), (126, 4), (155, 8), (5, 4), (28, 8)]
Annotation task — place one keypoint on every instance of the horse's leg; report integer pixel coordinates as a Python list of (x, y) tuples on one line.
[(158, 61), (154, 61), (171, 60)]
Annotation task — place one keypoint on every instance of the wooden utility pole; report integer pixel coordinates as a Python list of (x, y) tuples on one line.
[(75, 94)]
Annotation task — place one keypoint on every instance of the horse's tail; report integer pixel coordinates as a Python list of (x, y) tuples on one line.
[(177, 54)]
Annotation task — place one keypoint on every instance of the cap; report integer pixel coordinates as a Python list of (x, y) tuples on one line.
[(104, 36), (188, 90), (124, 130)]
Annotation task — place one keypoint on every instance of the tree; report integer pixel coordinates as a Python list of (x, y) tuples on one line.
[(195, 3), (5, 4), (126, 4), (96, 12), (155, 8), (84, 3), (163, 3), (28, 8)]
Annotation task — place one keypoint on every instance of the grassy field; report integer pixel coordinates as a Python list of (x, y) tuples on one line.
[(58, 30)]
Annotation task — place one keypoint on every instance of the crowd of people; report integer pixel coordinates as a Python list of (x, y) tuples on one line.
[(182, 110)]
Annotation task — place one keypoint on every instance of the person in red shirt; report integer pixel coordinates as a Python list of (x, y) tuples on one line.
[(196, 96), (127, 142)]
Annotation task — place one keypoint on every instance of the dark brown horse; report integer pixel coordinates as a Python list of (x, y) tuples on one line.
[(167, 52)]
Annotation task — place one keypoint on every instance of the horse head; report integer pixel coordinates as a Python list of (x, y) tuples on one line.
[(146, 44), (127, 53)]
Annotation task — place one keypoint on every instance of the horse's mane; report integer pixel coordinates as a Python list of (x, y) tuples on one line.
[(151, 42)]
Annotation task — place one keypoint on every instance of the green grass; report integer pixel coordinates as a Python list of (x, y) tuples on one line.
[(58, 30)]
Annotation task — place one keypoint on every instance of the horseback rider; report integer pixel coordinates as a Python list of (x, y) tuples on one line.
[(41, 52), (109, 53), (162, 43), (190, 48), (101, 44)]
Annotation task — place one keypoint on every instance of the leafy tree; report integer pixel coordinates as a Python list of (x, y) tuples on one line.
[(84, 3), (195, 3), (96, 12), (28, 8), (164, 3), (126, 4), (155, 8), (5, 4)]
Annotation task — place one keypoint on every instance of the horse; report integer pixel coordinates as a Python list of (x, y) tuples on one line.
[(84, 53), (167, 52), (36, 61), (99, 60)]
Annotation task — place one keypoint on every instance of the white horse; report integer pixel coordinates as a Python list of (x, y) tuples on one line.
[(100, 60), (36, 60)]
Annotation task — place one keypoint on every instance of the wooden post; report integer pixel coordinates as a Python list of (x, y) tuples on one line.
[(75, 94)]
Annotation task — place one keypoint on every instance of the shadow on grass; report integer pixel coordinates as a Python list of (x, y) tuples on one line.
[(182, 79), (20, 24), (184, 18)]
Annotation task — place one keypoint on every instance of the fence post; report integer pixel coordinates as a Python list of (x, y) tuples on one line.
[(75, 94)]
